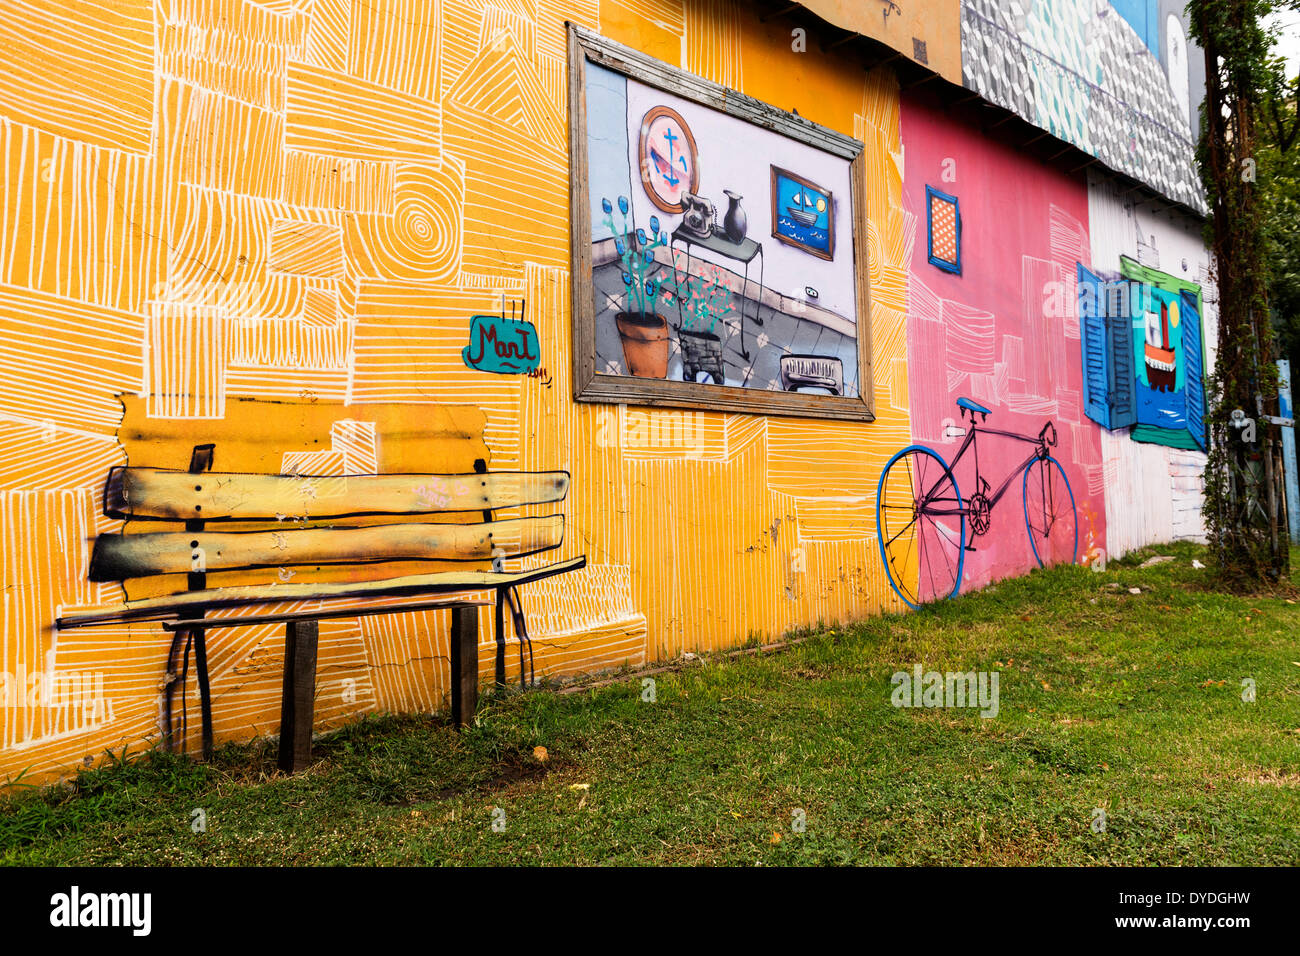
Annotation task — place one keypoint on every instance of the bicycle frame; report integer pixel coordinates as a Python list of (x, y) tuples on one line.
[(974, 514), (1040, 452)]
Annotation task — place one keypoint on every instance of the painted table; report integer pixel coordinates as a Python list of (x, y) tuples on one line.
[(745, 251)]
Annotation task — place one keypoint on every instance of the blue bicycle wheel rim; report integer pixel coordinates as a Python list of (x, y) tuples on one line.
[(1024, 504), (880, 538)]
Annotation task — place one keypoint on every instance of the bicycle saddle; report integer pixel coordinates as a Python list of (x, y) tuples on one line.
[(970, 406)]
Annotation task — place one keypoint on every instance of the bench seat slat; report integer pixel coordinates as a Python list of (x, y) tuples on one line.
[(181, 496), (321, 614), (174, 605), (120, 556)]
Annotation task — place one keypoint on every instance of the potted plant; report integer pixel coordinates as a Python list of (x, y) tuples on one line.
[(644, 332), (705, 300)]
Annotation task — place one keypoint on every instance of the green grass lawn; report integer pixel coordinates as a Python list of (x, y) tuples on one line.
[(1131, 703)]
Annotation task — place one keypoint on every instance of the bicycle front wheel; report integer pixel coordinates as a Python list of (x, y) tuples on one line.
[(921, 526), (1050, 516)]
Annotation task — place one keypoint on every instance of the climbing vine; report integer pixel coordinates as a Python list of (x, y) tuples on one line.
[(1244, 507)]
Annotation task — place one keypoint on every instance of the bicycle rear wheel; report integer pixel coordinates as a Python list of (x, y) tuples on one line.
[(921, 526), (1050, 516)]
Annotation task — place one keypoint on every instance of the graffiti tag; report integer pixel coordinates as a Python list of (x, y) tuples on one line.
[(504, 346)]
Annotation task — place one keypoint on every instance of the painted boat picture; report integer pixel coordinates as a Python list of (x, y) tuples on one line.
[(803, 214), (805, 211)]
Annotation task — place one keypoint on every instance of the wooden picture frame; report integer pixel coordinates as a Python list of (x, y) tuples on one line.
[(591, 384)]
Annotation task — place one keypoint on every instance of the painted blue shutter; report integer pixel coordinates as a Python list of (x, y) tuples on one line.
[(1092, 342), (1193, 366), (1123, 374)]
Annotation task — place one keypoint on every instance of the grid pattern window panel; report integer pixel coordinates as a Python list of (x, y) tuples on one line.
[(944, 225)]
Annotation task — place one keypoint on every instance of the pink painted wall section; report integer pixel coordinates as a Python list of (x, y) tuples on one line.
[(1004, 332)]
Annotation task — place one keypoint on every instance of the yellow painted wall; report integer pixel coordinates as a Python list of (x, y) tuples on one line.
[(270, 221)]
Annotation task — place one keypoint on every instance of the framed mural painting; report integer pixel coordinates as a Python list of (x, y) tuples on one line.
[(719, 245)]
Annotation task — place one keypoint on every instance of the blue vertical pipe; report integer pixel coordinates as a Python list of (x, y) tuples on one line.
[(1286, 410)]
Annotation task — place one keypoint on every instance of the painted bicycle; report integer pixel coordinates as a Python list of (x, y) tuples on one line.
[(926, 527)]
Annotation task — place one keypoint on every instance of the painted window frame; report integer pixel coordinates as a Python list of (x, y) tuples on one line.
[(931, 194), (1106, 347), (589, 385), (1132, 270)]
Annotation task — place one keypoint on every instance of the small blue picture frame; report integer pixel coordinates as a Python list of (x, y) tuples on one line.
[(948, 256), (803, 214)]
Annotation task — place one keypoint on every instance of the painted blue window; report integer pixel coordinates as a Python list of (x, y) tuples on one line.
[(1193, 366), (1092, 340), (1124, 302), (1106, 344), (943, 227)]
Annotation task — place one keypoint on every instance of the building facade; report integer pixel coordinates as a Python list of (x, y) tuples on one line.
[(268, 225)]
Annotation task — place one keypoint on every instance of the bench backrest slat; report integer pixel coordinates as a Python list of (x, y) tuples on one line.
[(444, 582), (180, 496), (120, 556)]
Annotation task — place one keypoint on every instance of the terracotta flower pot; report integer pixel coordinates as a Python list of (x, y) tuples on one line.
[(645, 343)]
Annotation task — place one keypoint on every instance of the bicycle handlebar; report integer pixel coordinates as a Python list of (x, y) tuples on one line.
[(1048, 435)]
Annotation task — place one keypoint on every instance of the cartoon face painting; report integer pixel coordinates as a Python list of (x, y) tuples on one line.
[(1159, 355), (668, 157)]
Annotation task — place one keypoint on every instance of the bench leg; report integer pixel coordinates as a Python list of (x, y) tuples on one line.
[(298, 699), (464, 664), (205, 692), (169, 690), (501, 638)]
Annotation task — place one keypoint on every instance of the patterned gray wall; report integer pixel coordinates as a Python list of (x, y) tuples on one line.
[(1076, 69)]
